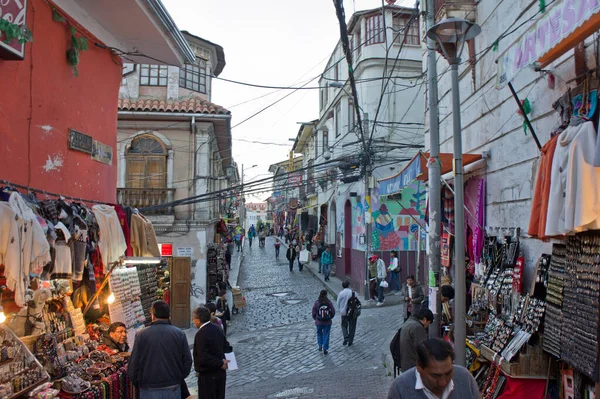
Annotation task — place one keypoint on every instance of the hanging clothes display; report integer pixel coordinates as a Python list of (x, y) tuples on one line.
[(143, 237), (539, 207), (112, 242), (575, 183)]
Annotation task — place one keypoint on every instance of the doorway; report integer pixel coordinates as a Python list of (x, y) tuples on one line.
[(348, 237)]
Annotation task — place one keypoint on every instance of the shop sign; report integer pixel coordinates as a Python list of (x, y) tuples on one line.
[(395, 184), (185, 251), (166, 249), (80, 142), (15, 12), (295, 179), (558, 30), (102, 152)]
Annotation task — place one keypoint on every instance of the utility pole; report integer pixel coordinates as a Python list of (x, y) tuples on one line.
[(434, 177), (367, 211), (243, 205)]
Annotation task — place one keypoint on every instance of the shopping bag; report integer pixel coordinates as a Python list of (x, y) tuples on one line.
[(383, 284), (304, 254)]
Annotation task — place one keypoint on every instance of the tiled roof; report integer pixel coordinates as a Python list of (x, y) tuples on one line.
[(194, 105)]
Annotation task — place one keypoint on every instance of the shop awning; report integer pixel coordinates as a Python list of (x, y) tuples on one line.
[(560, 28), (417, 170)]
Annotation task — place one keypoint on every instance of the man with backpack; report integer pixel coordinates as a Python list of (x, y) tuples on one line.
[(404, 344), (349, 307)]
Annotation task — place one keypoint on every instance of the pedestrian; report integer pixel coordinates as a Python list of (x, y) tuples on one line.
[(413, 295), (212, 308), (280, 232), (287, 234), (395, 273), (323, 312), (348, 321), (372, 278), (298, 250), (116, 337), (277, 247), (326, 261), (228, 258), (435, 376), (381, 280), (251, 234), (414, 331), (320, 250), (291, 256), (223, 312), (161, 359), (230, 245), (210, 346)]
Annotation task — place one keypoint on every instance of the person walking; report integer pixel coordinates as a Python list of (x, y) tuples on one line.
[(223, 312), (161, 359), (251, 234), (435, 375), (381, 281), (372, 278), (298, 250), (348, 321), (210, 346), (228, 258), (414, 331), (291, 256), (326, 261), (395, 273), (277, 247), (413, 295), (322, 313)]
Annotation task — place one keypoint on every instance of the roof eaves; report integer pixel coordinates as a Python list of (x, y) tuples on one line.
[(165, 19)]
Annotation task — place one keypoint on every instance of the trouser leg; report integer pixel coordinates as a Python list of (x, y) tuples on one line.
[(351, 329)]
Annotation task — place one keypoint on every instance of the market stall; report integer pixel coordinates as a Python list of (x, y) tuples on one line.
[(67, 272)]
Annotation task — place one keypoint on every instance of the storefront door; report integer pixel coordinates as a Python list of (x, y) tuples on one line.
[(180, 295)]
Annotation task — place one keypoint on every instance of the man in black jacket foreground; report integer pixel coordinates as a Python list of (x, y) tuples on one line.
[(161, 359), (210, 346)]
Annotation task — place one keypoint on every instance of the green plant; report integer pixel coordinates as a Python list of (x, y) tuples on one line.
[(13, 31), (77, 44)]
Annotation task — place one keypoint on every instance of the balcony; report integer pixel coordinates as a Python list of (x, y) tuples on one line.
[(146, 197)]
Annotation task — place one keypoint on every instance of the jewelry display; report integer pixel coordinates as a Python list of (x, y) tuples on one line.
[(20, 371), (148, 288), (127, 307)]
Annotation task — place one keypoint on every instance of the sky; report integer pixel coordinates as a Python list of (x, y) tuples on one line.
[(273, 43)]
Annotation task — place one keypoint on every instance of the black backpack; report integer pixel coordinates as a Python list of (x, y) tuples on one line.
[(323, 312), (395, 349), (354, 307)]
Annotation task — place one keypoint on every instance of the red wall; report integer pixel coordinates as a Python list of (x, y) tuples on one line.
[(42, 98)]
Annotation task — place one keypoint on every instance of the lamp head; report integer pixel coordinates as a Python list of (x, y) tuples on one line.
[(451, 35)]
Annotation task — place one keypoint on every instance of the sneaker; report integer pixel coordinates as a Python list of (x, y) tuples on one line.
[(320, 348), (379, 303), (325, 352)]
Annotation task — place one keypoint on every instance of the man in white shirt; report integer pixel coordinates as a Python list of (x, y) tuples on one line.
[(435, 377), (348, 323)]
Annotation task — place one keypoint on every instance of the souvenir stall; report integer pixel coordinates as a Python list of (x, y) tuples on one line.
[(541, 338), (217, 272), (64, 278)]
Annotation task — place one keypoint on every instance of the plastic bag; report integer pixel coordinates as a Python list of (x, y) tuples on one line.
[(383, 284)]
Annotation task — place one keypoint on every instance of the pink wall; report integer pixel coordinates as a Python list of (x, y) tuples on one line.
[(42, 99)]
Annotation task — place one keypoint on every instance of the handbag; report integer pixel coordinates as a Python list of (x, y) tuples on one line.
[(383, 284)]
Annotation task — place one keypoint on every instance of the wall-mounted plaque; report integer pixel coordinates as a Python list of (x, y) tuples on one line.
[(15, 12), (80, 142)]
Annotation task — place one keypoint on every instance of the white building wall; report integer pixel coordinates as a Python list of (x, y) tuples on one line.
[(490, 121)]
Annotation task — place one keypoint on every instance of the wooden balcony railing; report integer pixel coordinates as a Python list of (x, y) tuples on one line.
[(145, 197)]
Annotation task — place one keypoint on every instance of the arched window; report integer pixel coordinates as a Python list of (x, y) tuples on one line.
[(146, 163)]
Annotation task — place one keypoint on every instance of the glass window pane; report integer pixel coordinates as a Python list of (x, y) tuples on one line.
[(163, 81), (195, 78), (144, 80), (153, 81)]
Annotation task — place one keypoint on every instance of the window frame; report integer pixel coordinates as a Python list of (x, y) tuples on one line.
[(149, 68), (338, 119), (374, 30), (187, 74), (413, 37), (325, 141), (351, 115)]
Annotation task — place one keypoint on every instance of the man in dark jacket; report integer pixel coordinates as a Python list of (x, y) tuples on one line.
[(412, 334), (161, 359), (210, 364), (291, 255), (413, 296), (116, 337)]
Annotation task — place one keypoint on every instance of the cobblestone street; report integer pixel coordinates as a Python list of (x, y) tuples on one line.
[(274, 338)]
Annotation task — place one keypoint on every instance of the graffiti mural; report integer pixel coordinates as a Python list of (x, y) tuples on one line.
[(396, 222)]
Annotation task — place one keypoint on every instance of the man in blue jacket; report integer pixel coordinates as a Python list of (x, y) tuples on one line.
[(326, 261), (161, 358)]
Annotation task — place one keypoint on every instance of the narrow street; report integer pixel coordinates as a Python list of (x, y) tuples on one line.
[(274, 338)]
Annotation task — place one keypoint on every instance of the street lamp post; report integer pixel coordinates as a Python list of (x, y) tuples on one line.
[(451, 35)]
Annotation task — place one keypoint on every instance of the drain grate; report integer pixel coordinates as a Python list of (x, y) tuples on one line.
[(294, 392)]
